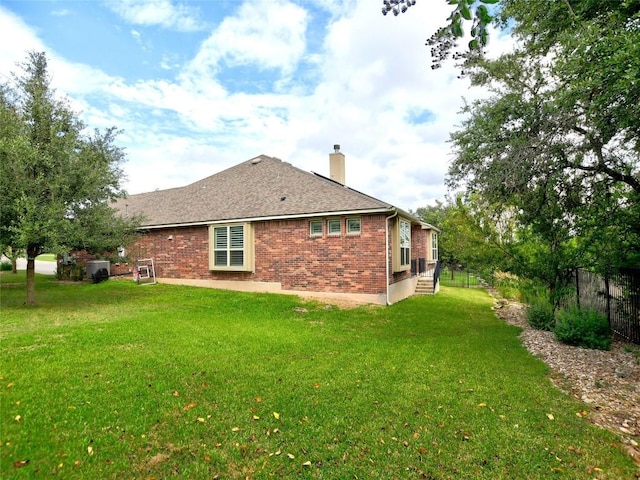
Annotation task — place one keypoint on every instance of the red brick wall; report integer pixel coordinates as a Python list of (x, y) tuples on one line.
[(284, 252), (419, 242)]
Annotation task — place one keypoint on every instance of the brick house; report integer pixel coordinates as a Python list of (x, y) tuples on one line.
[(265, 225)]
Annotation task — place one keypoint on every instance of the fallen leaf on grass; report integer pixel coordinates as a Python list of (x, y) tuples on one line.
[(90, 450), (200, 419), (306, 464), (21, 463), (276, 415), (482, 404), (550, 416), (157, 459), (291, 456), (18, 418), (235, 429), (189, 406), (175, 393)]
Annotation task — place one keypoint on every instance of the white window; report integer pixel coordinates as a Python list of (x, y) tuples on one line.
[(401, 246), (231, 247), (334, 227), (315, 228), (405, 243), (353, 225), (434, 246)]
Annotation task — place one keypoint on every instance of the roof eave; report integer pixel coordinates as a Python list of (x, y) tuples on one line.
[(269, 218)]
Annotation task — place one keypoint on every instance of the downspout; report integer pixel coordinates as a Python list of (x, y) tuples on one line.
[(386, 251)]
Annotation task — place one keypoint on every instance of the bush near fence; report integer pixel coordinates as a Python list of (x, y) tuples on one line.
[(615, 294)]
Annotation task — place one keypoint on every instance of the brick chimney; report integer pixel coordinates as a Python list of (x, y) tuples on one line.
[(336, 165)]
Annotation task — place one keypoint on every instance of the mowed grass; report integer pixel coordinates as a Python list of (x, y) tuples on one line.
[(116, 380)]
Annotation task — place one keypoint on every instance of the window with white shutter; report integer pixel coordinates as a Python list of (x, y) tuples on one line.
[(231, 247)]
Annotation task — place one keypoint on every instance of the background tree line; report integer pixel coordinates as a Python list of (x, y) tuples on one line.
[(547, 166)]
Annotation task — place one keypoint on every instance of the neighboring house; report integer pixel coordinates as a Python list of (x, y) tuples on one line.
[(265, 225)]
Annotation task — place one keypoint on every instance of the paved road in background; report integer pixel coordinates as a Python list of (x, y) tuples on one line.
[(48, 268)]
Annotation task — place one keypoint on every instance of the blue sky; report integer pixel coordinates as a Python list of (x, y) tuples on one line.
[(199, 86)]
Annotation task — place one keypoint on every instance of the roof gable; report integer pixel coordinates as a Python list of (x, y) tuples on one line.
[(262, 187)]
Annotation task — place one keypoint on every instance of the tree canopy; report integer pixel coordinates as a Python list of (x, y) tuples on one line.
[(557, 141), (56, 178), (444, 41)]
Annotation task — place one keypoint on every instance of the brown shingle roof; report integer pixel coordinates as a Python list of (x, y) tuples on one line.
[(258, 188)]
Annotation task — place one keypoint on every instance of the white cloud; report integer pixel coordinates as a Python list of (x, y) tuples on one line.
[(22, 39), (173, 16), (362, 89), (265, 34)]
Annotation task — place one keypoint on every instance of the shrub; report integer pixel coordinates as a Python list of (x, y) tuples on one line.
[(70, 272), (584, 328), (507, 284), (5, 266), (540, 315)]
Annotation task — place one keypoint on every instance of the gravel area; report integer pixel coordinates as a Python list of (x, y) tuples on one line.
[(607, 381)]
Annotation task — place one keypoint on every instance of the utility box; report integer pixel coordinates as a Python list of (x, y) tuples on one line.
[(98, 270)]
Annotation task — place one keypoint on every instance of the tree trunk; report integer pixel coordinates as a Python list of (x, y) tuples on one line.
[(14, 266), (31, 275)]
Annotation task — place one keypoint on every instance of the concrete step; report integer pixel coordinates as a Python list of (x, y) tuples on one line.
[(424, 286)]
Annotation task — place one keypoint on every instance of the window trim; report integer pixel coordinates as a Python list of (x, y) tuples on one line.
[(359, 231), (311, 223), (400, 253), (248, 256), (434, 246), (329, 222)]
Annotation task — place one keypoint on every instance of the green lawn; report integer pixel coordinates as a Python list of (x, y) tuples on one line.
[(115, 380), (47, 257)]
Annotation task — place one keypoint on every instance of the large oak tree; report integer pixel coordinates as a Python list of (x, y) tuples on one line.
[(558, 139)]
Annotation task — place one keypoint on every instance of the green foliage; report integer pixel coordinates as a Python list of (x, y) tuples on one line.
[(472, 233), (5, 266), (556, 142), (73, 272), (58, 181), (540, 315), (444, 40), (507, 284), (584, 328)]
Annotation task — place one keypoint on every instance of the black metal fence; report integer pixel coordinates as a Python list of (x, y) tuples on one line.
[(616, 295), (452, 277)]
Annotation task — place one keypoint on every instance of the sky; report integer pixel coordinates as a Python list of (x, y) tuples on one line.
[(199, 86)]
